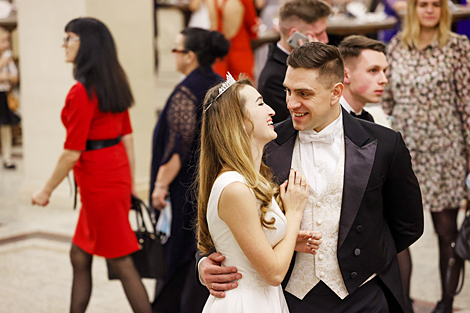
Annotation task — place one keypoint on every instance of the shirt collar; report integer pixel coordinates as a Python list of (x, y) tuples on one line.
[(282, 48), (347, 107), (334, 129)]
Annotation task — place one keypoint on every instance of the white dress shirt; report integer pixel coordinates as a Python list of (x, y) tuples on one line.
[(320, 157)]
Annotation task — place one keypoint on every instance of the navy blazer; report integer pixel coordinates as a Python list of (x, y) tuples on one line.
[(381, 211)]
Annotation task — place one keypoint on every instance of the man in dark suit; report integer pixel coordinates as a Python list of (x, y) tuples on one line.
[(365, 65), (364, 74), (307, 16), (364, 199)]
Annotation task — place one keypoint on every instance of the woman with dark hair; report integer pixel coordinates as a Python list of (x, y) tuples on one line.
[(99, 147), (174, 158), (429, 98)]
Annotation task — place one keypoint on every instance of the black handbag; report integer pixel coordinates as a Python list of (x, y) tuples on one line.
[(149, 260), (462, 243), (461, 250)]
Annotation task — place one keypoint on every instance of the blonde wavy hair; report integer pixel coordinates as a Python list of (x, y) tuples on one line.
[(224, 141), (410, 35)]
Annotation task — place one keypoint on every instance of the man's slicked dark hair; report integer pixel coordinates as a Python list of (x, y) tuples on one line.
[(308, 11), (352, 46), (324, 58), (97, 66)]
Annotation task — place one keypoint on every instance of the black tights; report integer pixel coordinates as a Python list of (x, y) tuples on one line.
[(445, 225), (123, 267)]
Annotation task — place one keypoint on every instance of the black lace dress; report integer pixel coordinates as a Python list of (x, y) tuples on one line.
[(178, 131)]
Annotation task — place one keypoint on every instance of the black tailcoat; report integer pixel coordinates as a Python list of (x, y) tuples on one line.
[(381, 211), (364, 116)]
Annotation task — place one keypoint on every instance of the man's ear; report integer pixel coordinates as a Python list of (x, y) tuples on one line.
[(346, 76), (292, 31), (336, 93)]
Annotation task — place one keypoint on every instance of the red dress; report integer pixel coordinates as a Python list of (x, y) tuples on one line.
[(103, 176), (240, 58)]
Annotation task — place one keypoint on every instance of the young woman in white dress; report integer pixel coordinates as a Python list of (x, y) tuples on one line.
[(237, 213)]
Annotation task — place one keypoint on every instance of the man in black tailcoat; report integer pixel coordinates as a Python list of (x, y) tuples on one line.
[(364, 200)]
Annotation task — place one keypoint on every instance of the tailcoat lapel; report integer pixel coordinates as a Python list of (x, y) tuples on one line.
[(359, 158), (278, 152)]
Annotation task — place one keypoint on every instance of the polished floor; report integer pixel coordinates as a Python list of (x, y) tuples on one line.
[(35, 273)]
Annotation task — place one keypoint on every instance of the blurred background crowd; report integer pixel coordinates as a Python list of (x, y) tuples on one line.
[(170, 65)]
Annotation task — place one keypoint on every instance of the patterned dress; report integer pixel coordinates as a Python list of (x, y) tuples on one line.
[(428, 95)]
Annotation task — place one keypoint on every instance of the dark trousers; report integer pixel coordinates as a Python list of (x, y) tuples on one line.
[(182, 293), (369, 298)]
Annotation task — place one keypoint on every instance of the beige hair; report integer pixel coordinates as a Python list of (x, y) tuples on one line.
[(294, 12), (224, 141), (410, 35)]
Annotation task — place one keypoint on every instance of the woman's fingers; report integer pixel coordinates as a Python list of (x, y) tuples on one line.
[(308, 241), (304, 182), (315, 244), (296, 191), (158, 198), (292, 175), (40, 198), (282, 189), (298, 178)]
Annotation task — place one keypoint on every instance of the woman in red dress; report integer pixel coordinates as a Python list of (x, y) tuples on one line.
[(237, 20), (99, 148)]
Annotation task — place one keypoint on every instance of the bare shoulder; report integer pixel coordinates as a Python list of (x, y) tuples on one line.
[(236, 191), (238, 197)]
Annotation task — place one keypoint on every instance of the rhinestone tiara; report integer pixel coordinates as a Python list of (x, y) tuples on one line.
[(229, 81)]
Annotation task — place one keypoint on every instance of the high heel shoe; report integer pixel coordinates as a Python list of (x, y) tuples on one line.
[(9, 165), (444, 306)]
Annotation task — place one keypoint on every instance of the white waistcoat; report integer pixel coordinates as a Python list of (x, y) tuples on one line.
[(322, 215)]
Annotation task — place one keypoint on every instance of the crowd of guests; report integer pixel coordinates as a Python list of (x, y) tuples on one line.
[(301, 202)]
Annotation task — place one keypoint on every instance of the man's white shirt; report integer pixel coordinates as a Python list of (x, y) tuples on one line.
[(319, 159)]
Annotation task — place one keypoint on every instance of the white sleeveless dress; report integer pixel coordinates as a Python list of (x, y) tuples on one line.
[(253, 295)]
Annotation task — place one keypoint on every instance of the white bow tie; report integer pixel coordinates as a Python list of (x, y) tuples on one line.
[(310, 136)]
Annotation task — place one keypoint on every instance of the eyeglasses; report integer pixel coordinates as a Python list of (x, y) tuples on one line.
[(68, 39), (174, 50)]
